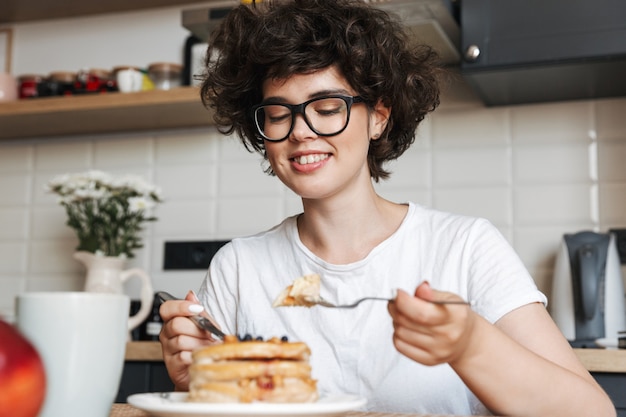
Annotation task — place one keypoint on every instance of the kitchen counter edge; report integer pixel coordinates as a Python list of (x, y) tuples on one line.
[(144, 351), (595, 360)]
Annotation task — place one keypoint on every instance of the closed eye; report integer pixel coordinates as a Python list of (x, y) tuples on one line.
[(328, 112), (279, 119), (277, 114)]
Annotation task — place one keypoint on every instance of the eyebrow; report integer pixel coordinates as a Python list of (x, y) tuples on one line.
[(321, 93)]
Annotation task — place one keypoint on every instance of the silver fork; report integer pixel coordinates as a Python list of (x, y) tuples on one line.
[(325, 303), (201, 321)]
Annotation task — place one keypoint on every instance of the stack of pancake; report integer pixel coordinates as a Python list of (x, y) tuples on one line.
[(275, 371)]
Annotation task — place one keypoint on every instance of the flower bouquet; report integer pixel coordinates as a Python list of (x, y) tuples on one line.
[(107, 213)]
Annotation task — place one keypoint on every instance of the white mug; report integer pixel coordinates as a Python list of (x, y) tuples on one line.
[(129, 80), (81, 338)]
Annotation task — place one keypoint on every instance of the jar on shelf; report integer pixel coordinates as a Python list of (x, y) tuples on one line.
[(61, 83), (94, 81), (128, 79), (119, 68), (31, 86), (165, 75)]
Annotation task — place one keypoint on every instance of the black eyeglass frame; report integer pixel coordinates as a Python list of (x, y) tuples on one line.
[(299, 109)]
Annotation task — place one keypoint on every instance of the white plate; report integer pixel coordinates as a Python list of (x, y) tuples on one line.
[(173, 404)]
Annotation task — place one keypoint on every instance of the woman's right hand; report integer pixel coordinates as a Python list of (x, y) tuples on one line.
[(180, 336)]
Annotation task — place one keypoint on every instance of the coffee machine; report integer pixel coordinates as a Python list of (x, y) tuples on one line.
[(587, 289)]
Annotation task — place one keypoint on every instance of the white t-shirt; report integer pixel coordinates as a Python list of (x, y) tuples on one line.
[(352, 349)]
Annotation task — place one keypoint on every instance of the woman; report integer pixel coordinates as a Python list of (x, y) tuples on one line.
[(328, 91)]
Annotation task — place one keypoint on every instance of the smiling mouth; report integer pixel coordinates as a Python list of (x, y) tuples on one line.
[(310, 159)]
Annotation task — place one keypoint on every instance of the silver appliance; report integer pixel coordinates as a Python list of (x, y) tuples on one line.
[(587, 289)]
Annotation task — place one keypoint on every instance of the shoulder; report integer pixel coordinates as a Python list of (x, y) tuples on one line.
[(468, 237), (447, 223), (279, 233), (259, 245)]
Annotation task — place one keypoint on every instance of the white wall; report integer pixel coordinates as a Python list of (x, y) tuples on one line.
[(535, 171), (104, 41)]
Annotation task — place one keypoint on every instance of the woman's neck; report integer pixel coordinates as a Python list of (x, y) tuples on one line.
[(346, 231)]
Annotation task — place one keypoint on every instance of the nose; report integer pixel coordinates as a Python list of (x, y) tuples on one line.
[(301, 130)]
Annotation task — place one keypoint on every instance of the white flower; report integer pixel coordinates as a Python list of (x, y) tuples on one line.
[(132, 182), (90, 193), (59, 179), (106, 212), (136, 204), (156, 191), (98, 176)]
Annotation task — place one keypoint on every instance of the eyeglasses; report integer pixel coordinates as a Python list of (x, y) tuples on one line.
[(326, 116)]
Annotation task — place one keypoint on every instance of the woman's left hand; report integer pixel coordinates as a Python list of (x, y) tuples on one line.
[(430, 333)]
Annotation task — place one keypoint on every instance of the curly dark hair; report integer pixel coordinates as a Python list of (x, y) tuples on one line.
[(277, 39)]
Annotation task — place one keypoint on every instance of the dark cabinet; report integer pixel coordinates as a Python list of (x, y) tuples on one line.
[(615, 386), (143, 376), (523, 51)]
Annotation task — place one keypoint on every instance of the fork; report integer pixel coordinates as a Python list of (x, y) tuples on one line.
[(319, 300), (200, 321)]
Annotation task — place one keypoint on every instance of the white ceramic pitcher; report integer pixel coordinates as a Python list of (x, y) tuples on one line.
[(106, 274)]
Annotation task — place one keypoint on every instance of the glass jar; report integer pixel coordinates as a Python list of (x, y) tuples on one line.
[(61, 83), (94, 81), (31, 86), (165, 75)]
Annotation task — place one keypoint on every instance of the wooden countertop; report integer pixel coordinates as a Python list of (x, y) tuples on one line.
[(125, 410), (144, 351), (595, 360), (603, 360)]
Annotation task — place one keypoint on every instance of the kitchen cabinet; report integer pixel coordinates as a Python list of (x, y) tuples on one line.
[(144, 371), (28, 10), (523, 51), (140, 377), (103, 113), (615, 386)]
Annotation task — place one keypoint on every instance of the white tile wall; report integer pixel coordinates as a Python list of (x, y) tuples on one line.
[(535, 171), (12, 260), (472, 166), (532, 178), (553, 122), (610, 120)]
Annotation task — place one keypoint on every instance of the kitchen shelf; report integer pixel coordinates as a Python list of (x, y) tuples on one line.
[(103, 113), (13, 11)]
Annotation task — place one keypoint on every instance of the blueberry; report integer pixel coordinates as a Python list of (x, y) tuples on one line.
[(259, 338), (284, 339), (247, 337)]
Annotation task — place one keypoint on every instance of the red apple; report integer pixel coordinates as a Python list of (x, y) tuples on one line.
[(22, 375)]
